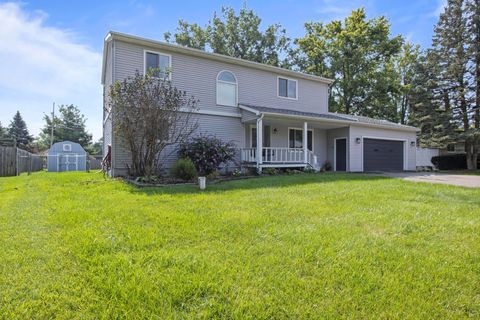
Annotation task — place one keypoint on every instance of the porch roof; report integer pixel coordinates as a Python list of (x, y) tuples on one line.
[(334, 117)]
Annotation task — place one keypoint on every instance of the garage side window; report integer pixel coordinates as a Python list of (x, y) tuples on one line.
[(226, 89)]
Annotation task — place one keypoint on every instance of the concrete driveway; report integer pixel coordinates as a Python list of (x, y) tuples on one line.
[(461, 180)]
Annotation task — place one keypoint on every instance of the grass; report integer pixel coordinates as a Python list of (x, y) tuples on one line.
[(331, 246)]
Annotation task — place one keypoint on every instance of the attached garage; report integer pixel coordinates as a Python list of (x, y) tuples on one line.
[(383, 155)]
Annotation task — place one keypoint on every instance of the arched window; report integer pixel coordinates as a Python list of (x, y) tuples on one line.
[(226, 89)]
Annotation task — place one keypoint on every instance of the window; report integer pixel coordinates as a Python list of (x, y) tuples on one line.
[(67, 147), (451, 147), (295, 138), (287, 88), (226, 89), (158, 64), (266, 136)]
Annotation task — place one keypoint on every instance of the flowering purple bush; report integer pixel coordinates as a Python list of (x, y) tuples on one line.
[(207, 153)]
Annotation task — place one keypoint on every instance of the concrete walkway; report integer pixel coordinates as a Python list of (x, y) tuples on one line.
[(471, 181)]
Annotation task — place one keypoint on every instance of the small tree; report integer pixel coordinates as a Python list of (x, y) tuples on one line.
[(17, 130), (150, 114), (207, 153)]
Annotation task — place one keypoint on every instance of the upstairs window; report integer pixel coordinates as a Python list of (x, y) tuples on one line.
[(226, 89), (158, 64), (287, 88)]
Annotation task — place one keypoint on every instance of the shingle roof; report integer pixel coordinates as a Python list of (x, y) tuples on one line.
[(331, 116)]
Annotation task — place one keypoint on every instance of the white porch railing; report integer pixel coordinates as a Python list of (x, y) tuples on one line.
[(279, 155)]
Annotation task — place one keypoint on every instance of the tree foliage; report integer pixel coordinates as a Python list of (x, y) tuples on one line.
[(150, 114), (68, 125), (357, 53), (455, 60), (236, 35), (18, 132)]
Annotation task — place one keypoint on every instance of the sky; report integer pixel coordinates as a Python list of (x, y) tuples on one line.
[(51, 51)]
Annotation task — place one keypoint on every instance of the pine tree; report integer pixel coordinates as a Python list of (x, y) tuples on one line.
[(17, 130), (452, 49)]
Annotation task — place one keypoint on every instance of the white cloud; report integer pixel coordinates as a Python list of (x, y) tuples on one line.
[(40, 64), (339, 9)]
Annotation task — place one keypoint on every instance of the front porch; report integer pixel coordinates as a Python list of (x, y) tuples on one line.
[(279, 157), (275, 141)]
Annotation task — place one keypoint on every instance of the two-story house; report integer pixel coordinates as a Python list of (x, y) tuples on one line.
[(277, 117)]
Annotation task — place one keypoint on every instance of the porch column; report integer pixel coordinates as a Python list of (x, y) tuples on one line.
[(305, 142), (259, 141)]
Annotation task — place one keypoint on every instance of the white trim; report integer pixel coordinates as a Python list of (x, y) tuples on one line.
[(335, 152), (288, 79), (301, 129), (227, 82), (67, 147), (213, 112), (405, 149), (256, 112), (169, 72)]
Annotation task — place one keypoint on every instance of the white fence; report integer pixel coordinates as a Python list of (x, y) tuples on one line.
[(424, 156)]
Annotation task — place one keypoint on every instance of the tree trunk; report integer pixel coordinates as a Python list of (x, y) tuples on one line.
[(471, 153)]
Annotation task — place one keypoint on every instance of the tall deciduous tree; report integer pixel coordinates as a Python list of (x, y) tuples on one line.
[(235, 35), (357, 53), (18, 131), (150, 114), (406, 65), (69, 125)]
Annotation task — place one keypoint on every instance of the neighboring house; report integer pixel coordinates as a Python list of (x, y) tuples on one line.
[(277, 117), (455, 148), (66, 156)]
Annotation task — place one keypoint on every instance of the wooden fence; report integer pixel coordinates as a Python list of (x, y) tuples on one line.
[(14, 161)]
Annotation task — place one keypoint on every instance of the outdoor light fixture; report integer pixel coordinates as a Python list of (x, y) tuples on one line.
[(412, 143), (275, 131), (358, 140)]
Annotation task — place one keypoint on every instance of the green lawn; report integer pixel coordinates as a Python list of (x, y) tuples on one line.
[(74, 245)]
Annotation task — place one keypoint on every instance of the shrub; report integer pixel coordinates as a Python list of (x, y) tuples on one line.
[(237, 173), (327, 166), (213, 175), (184, 169), (270, 171), (452, 162), (207, 153), (309, 170)]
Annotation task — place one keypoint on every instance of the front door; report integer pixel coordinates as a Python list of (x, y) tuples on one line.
[(341, 154)]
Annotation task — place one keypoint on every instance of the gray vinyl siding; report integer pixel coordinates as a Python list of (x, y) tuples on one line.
[(198, 77), (356, 149), (224, 128), (332, 134), (107, 121)]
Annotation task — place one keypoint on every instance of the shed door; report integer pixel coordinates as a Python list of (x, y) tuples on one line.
[(382, 155), (67, 162)]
